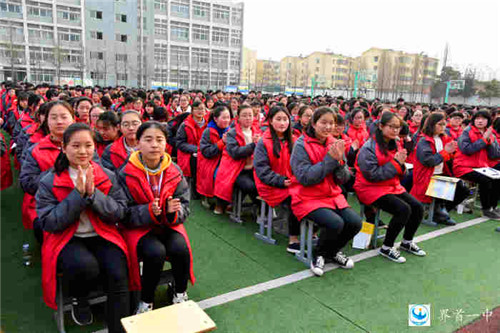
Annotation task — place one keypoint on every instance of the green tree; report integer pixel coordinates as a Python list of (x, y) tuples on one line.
[(491, 89)]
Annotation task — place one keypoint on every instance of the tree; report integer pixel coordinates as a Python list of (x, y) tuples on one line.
[(491, 89)]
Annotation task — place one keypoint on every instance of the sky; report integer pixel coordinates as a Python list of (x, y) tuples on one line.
[(278, 28)]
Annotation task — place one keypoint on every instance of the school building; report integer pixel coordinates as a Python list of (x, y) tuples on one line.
[(138, 43)]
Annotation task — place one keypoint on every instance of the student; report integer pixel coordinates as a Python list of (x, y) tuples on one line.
[(95, 112), (236, 165), (454, 128), (434, 150), (158, 205), (477, 148), (27, 118), (303, 118), (40, 158), (107, 131), (32, 133), (149, 111), (79, 204), (116, 154), (378, 167), (15, 112), (188, 139), (272, 170), (184, 106), (318, 167), (403, 112), (212, 143), (415, 121), (357, 127), (82, 110), (5, 168)]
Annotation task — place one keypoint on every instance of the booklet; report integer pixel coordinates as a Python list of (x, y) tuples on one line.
[(489, 172)]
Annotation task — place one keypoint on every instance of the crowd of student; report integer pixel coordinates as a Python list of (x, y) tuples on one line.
[(108, 174)]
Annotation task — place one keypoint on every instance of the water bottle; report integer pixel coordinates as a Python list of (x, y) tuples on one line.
[(26, 255)]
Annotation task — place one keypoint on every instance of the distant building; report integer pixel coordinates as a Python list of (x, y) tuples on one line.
[(192, 44), (267, 75), (248, 68)]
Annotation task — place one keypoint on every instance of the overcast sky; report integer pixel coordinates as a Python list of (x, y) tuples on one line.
[(277, 28)]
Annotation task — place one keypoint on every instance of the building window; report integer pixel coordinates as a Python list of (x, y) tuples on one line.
[(121, 38), (96, 55), (13, 6), (121, 18), (221, 14), (179, 31), (200, 57), (96, 14), (180, 8), (235, 60), (161, 5), (220, 36), (39, 9), (121, 57), (121, 76), (68, 35), (219, 59), (96, 35), (40, 33), (97, 76), (236, 15), (161, 28), (179, 56), (201, 33), (68, 14), (201, 10), (235, 38), (375, 59)]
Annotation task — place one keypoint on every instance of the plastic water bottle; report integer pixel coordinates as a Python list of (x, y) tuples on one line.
[(26, 255)]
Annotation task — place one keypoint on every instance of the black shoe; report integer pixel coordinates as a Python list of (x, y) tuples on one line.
[(293, 248), (449, 221), (81, 313)]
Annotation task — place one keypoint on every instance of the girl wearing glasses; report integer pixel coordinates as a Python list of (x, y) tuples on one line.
[(379, 166), (116, 154), (434, 150)]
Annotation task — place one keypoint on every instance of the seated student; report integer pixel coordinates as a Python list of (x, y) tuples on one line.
[(28, 117), (95, 112), (32, 133), (303, 118), (235, 168), (212, 143), (82, 110), (378, 167), (257, 115), (357, 127), (40, 158), (414, 122), (272, 170), (188, 139), (477, 148), (454, 128), (5, 168), (116, 154), (107, 131), (16, 111), (433, 151), (318, 167), (158, 205), (79, 204), (148, 111)]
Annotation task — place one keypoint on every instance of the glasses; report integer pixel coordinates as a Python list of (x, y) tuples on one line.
[(132, 124), (394, 127), (441, 124)]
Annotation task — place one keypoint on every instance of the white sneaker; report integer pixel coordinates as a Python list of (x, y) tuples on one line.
[(205, 203), (144, 307), (413, 249), (343, 261), (317, 265), (180, 298), (393, 255)]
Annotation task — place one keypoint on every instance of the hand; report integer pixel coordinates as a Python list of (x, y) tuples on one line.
[(401, 156), (355, 144), (173, 205), (288, 182), (488, 133), (336, 150), (451, 147), (89, 184), (80, 182), (156, 207), (256, 138), (224, 137)]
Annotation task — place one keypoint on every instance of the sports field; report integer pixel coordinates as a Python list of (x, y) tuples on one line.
[(458, 279)]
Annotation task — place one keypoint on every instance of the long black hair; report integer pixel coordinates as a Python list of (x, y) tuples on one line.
[(318, 113), (288, 132), (430, 123), (217, 111), (62, 162), (385, 146)]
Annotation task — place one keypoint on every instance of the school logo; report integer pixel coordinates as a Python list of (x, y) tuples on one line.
[(419, 315)]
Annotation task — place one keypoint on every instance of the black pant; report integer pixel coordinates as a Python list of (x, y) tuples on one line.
[(489, 189), (293, 223), (83, 260), (407, 213), (193, 164), (461, 193), (246, 183), (337, 227), (153, 249)]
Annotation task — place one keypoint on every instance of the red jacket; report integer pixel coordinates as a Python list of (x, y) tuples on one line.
[(422, 173), (53, 243), (193, 133), (139, 189), (326, 194), (205, 169), (360, 134), (272, 195), (454, 132), (26, 120), (229, 169), (44, 154), (383, 170), (472, 152), (5, 168), (413, 127)]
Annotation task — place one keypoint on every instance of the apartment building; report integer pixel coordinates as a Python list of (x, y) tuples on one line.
[(194, 44), (267, 75)]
